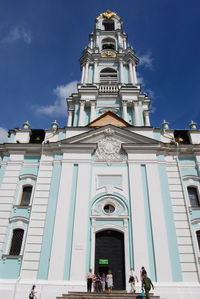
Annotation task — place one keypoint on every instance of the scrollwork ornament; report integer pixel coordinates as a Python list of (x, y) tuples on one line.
[(108, 149)]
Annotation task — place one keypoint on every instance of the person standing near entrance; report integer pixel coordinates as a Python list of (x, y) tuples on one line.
[(109, 280), (89, 280), (132, 279), (146, 285)]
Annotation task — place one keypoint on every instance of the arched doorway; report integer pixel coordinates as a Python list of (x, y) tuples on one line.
[(109, 254)]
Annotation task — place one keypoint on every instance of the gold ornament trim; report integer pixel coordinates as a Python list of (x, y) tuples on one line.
[(108, 53), (108, 14)]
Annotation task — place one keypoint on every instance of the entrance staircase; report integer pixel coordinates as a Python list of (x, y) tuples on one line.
[(113, 295)]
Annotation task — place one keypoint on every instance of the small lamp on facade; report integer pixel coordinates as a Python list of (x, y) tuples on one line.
[(193, 125), (54, 125), (26, 125), (165, 125)]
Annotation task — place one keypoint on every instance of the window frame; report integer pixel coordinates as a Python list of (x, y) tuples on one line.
[(16, 223), (195, 187), (22, 195), (11, 241)]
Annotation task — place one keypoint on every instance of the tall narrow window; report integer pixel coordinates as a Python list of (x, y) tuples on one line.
[(193, 196), (16, 243), (198, 238), (26, 196)]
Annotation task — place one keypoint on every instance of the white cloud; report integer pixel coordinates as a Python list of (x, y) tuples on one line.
[(59, 107), (140, 79), (3, 135), (17, 33), (146, 60)]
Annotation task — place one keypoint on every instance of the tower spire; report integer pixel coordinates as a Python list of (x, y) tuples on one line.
[(109, 78)]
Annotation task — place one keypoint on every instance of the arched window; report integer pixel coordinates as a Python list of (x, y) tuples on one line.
[(26, 195), (108, 75), (193, 196), (16, 242), (198, 238), (109, 25), (108, 43)]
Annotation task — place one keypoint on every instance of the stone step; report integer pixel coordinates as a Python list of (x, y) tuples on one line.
[(113, 295)]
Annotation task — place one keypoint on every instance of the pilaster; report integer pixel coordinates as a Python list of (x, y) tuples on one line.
[(81, 113), (146, 118), (136, 114)]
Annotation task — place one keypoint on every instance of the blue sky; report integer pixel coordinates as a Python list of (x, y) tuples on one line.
[(42, 40)]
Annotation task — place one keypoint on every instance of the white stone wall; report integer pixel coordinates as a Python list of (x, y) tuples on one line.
[(33, 246), (8, 191), (183, 232)]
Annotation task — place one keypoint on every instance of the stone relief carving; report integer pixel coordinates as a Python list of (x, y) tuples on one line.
[(98, 209), (108, 148)]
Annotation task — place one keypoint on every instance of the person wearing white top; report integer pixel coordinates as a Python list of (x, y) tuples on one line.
[(89, 280), (132, 279)]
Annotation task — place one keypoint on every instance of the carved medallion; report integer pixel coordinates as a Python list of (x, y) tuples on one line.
[(108, 149)]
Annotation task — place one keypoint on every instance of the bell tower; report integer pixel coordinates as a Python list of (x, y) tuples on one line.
[(109, 79)]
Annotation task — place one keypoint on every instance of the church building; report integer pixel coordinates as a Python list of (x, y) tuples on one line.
[(108, 191)]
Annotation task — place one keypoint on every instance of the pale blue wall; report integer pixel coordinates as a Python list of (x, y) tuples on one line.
[(61, 135), (130, 115), (126, 74), (10, 268), (76, 115), (87, 115)]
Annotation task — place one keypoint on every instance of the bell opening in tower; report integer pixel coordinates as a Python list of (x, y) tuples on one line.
[(109, 25)]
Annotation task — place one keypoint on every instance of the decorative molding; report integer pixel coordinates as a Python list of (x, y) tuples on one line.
[(109, 148)]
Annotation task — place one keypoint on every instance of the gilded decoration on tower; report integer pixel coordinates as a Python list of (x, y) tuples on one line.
[(108, 14), (108, 53)]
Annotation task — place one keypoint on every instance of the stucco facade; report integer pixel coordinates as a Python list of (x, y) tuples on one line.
[(107, 170)]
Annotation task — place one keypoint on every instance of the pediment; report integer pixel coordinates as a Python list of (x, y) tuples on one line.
[(123, 135), (109, 118)]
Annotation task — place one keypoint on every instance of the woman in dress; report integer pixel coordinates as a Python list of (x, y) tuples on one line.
[(103, 281), (109, 280)]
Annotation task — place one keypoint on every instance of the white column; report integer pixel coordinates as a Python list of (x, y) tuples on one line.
[(81, 113), (131, 72), (146, 118), (162, 256), (137, 206), (126, 251), (70, 116), (134, 75), (124, 40), (83, 75), (95, 71), (80, 233), (86, 72), (121, 71), (97, 40), (92, 252), (92, 110), (92, 43), (56, 266), (124, 110), (136, 119)]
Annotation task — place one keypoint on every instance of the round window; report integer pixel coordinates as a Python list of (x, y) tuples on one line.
[(109, 209)]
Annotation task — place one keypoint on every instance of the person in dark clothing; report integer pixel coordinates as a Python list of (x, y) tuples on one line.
[(146, 285), (98, 285)]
